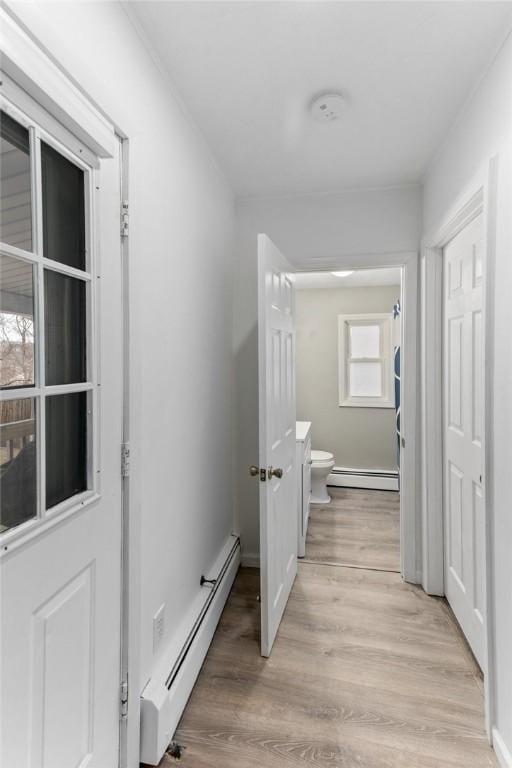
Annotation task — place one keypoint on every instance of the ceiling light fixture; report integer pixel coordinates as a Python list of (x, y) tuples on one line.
[(327, 107), (344, 273)]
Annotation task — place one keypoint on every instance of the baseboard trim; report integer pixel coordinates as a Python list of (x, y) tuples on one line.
[(250, 560), (373, 479), (502, 752)]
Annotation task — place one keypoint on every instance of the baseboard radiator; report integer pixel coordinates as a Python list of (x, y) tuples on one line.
[(378, 479), (166, 694)]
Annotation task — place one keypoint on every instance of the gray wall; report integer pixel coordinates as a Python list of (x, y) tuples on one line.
[(358, 437)]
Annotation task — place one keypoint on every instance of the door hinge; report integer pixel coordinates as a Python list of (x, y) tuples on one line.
[(125, 219), (125, 460), (123, 700)]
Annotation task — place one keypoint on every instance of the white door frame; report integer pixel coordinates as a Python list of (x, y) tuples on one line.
[(410, 519), (129, 741), (29, 66), (478, 197)]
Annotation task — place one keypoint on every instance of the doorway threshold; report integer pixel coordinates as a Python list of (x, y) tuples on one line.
[(348, 565)]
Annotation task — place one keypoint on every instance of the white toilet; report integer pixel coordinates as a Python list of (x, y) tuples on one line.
[(322, 464)]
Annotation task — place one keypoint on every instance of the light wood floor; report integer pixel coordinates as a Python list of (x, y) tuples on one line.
[(358, 527), (366, 672)]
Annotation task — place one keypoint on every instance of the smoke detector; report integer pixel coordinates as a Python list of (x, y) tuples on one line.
[(327, 107)]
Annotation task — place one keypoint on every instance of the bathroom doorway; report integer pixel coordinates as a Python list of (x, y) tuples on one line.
[(348, 353)]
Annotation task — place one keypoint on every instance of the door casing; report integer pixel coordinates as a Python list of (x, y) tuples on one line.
[(410, 519), (478, 197)]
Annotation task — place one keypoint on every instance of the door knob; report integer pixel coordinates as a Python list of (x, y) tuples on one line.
[(255, 471), (274, 472)]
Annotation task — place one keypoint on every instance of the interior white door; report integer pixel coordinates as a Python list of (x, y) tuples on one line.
[(60, 565), (278, 482), (464, 512)]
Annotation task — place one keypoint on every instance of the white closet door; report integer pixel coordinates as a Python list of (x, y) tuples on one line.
[(464, 511)]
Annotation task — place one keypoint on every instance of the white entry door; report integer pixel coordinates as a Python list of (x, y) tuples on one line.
[(464, 511), (60, 437), (278, 482)]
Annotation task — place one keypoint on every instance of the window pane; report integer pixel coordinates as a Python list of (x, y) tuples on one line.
[(66, 446), (365, 340), (365, 379), (16, 323), (18, 456), (64, 312), (15, 200), (63, 209)]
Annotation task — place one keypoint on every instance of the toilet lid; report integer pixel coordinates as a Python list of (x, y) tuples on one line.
[(321, 456)]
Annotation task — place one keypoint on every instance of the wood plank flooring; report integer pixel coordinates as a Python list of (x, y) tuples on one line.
[(358, 527), (366, 671)]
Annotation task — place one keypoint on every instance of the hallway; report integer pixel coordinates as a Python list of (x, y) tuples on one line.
[(218, 219), (366, 672)]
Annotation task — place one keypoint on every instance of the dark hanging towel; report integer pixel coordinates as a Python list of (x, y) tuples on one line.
[(397, 336)]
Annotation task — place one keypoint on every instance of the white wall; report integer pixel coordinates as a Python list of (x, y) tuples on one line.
[(483, 130), (354, 222), (363, 438), (182, 264)]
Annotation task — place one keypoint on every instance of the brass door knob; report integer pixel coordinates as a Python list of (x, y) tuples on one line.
[(277, 472), (256, 471)]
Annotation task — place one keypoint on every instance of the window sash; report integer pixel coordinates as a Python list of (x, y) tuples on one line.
[(385, 359), (40, 391)]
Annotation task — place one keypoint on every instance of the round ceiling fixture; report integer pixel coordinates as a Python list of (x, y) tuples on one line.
[(327, 107), (343, 273)]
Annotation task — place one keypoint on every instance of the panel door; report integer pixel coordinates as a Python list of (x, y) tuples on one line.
[(464, 512), (61, 409), (278, 488)]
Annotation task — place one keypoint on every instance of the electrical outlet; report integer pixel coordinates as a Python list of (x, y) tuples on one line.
[(158, 626)]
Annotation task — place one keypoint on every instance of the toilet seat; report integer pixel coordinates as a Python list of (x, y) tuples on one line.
[(320, 457)]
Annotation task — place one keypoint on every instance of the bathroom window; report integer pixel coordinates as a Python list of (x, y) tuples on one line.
[(365, 354)]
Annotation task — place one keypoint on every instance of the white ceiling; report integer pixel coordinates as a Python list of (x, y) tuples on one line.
[(249, 70), (358, 279)]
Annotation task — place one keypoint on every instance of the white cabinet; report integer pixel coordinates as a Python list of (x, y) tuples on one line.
[(303, 437)]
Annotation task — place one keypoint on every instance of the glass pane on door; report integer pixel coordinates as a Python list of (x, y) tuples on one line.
[(16, 323), (63, 209), (15, 190), (18, 460), (66, 446), (65, 331)]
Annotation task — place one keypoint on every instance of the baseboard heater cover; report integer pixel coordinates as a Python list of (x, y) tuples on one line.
[(163, 699), (377, 479)]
